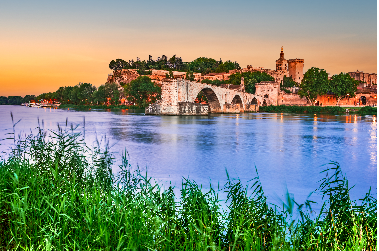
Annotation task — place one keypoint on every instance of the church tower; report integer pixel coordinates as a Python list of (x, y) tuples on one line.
[(281, 63)]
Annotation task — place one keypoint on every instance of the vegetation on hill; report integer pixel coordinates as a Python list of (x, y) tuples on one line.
[(58, 194), (201, 65), (142, 91)]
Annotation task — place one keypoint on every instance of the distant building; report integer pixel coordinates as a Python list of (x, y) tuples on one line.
[(365, 79)]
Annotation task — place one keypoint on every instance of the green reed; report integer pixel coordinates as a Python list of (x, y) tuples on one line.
[(58, 194)]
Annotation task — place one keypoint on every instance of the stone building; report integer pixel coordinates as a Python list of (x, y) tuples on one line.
[(281, 63), (366, 79), (295, 69)]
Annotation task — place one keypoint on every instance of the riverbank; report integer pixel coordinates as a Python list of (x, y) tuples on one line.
[(63, 195), (366, 110)]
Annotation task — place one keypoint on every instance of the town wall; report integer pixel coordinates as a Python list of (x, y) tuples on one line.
[(291, 99)]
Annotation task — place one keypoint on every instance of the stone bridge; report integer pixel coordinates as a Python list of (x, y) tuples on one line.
[(178, 96)]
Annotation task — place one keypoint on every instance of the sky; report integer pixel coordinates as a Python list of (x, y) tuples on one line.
[(48, 44)]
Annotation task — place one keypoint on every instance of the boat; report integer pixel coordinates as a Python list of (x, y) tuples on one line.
[(34, 105)]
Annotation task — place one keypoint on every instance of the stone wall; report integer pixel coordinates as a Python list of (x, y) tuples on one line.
[(267, 93), (291, 99), (189, 108)]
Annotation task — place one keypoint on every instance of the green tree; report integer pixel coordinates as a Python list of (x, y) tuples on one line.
[(86, 91), (3, 100), (190, 76), (14, 100), (201, 97), (66, 94), (28, 98), (112, 93), (343, 85), (227, 66), (99, 96), (314, 83), (142, 91), (75, 95), (119, 64), (203, 65), (215, 82), (288, 82)]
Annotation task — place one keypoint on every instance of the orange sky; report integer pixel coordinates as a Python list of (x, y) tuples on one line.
[(43, 49)]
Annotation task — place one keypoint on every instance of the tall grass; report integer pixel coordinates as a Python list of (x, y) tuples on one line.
[(58, 194)]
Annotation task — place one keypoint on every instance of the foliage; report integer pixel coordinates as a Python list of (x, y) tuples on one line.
[(288, 82), (314, 83), (190, 76), (303, 109), (343, 85), (201, 97), (142, 91), (58, 194), (203, 65), (215, 82), (143, 67), (368, 110)]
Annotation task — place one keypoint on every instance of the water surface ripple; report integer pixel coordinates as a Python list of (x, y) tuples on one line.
[(288, 150)]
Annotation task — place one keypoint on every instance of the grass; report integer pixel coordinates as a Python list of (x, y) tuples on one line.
[(367, 110), (58, 194)]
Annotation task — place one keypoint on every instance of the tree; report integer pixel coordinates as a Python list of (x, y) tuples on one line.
[(75, 95), (203, 65), (118, 64), (66, 94), (314, 83), (3, 100), (99, 95), (142, 91), (85, 92), (112, 92), (14, 100), (28, 98), (343, 85), (190, 76), (288, 82)]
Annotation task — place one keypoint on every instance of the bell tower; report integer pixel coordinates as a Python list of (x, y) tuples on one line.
[(281, 63)]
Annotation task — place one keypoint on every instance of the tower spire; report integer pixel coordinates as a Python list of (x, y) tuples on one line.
[(282, 53)]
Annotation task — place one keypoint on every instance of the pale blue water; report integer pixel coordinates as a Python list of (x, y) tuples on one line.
[(288, 150)]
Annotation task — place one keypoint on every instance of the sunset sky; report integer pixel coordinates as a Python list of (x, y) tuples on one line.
[(48, 44)]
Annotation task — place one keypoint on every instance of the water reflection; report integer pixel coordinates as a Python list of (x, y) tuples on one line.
[(284, 147)]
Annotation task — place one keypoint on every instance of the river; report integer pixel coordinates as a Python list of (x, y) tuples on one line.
[(288, 150)]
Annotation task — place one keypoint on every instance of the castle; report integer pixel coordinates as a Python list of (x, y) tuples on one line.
[(293, 68)]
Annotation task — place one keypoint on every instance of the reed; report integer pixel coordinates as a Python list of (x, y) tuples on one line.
[(58, 194)]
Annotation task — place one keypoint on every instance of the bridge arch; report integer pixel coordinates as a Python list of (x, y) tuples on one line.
[(213, 101), (237, 100)]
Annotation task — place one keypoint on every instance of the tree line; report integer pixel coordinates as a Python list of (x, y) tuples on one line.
[(200, 65), (316, 83)]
